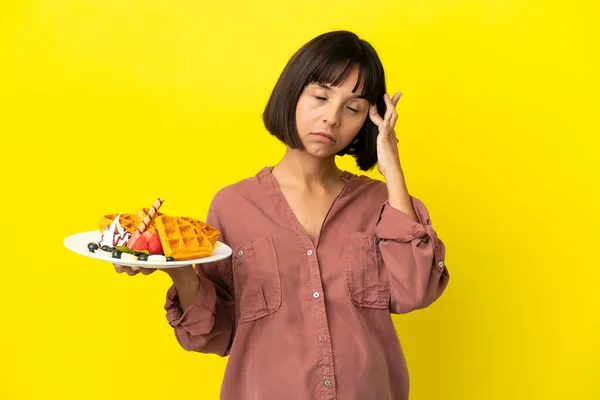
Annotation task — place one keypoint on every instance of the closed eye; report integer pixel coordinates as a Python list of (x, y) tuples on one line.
[(323, 99)]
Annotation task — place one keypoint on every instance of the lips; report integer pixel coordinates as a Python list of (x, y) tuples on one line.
[(324, 136)]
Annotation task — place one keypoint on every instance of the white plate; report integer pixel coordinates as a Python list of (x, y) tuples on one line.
[(79, 241)]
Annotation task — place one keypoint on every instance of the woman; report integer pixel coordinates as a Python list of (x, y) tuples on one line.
[(321, 256)]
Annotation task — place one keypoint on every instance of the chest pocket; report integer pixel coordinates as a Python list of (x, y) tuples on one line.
[(257, 283), (367, 279)]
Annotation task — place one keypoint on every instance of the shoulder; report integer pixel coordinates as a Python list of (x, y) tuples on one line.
[(373, 191), (232, 194), (365, 185)]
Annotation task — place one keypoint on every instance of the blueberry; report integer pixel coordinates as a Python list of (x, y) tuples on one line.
[(170, 258), (143, 257), (116, 254), (92, 247), (105, 248)]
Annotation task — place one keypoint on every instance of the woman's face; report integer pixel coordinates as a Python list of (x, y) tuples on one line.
[(329, 117)]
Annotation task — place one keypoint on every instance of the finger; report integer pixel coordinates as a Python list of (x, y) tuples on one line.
[(147, 271), (131, 272), (394, 117), (119, 268), (390, 107), (374, 115), (393, 120)]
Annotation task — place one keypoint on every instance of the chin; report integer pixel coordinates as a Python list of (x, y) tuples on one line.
[(320, 151)]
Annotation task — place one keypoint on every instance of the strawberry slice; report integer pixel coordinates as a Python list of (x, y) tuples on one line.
[(133, 238), (141, 243), (147, 235), (154, 245)]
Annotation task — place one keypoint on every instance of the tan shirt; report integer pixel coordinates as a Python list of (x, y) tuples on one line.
[(303, 320)]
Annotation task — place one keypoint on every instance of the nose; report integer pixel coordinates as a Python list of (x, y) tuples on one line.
[(331, 115)]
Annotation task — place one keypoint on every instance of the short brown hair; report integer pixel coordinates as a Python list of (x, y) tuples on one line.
[(328, 59)]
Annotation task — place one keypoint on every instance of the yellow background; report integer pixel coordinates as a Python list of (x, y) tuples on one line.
[(107, 105)]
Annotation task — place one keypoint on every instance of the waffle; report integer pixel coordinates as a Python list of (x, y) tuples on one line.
[(129, 222), (182, 239), (211, 233), (141, 214)]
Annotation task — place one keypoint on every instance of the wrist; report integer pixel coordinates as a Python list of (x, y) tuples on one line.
[(184, 276), (395, 182)]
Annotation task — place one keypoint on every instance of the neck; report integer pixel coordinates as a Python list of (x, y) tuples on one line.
[(301, 169)]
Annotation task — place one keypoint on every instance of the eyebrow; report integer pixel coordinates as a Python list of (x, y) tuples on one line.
[(356, 96)]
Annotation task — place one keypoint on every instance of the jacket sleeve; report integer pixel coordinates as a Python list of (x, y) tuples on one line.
[(207, 325), (413, 255)]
